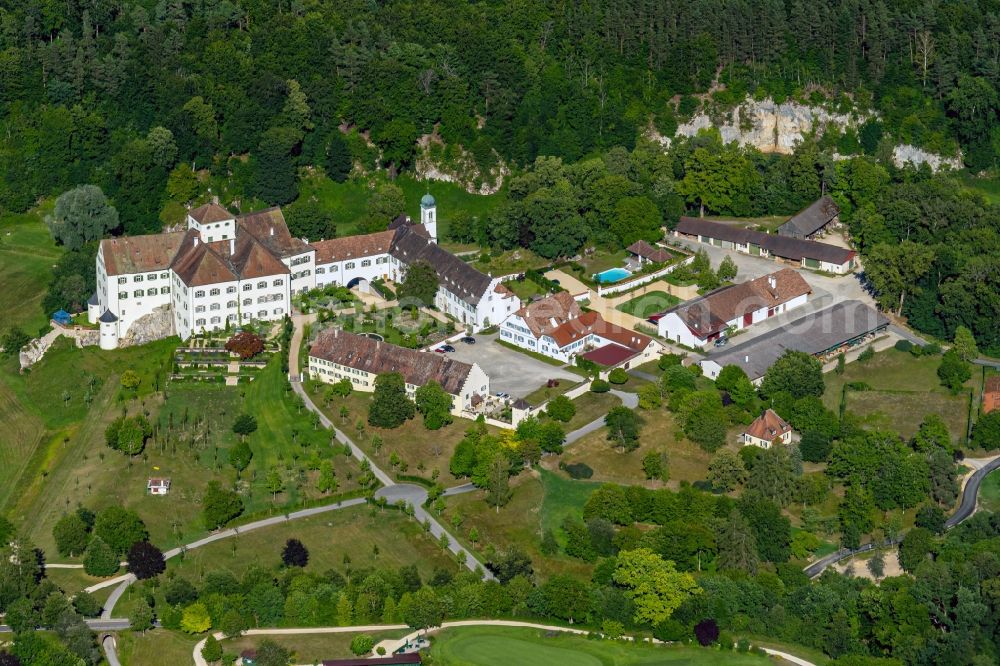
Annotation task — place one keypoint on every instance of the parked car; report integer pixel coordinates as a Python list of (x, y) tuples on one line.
[(502, 394), (469, 340), (445, 348), (722, 342)]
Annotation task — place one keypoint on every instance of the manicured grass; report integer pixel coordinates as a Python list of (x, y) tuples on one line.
[(524, 289), (353, 532), (603, 260), (27, 253), (519, 523), (500, 646), (989, 493), (155, 647), (347, 202), (649, 304), (311, 648)]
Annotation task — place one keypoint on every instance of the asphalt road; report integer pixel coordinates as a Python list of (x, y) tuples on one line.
[(966, 508)]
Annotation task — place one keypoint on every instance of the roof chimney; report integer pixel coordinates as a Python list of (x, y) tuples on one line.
[(272, 231), (232, 246), (772, 282), (196, 241)]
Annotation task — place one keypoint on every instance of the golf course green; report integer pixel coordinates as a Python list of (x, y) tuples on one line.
[(504, 646)]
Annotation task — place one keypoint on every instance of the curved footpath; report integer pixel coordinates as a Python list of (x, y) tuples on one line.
[(391, 645)]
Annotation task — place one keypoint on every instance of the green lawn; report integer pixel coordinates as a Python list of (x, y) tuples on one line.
[(517, 523), (310, 648), (563, 497), (423, 450), (353, 532), (347, 202), (512, 261), (905, 388), (989, 493), (155, 647), (648, 304), (27, 254), (500, 646)]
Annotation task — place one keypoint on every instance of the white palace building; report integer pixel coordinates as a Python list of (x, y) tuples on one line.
[(241, 268)]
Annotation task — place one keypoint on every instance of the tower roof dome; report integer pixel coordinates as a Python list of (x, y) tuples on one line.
[(427, 201)]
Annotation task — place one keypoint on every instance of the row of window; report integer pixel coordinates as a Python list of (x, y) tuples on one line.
[(355, 380), (139, 278), (139, 293), (261, 314), (246, 287), (301, 274), (300, 260)]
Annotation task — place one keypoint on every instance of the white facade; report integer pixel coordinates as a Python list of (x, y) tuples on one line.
[(673, 327), (129, 296), (476, 382), (346, 271)]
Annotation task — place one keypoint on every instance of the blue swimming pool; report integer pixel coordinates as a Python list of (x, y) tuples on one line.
[(612, 275)]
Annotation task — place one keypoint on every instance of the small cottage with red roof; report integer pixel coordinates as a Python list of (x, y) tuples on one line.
[(766, 429)]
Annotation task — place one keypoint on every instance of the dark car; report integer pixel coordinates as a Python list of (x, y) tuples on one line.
[(445, 348), (722, 342), (469, 340)]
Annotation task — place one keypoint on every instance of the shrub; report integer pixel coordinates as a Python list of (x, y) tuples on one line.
[(561, 408), (245, 344), (706, 631), (903, 345), (599, 386), (579, 470), (859, 386), (932, 349), (668, 360), (867, 355), (618, 376), (362, 644)]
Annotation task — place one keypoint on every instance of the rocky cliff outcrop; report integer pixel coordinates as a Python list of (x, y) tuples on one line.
[(778, 128), (460, 168), (906, 154), (156, 325), (771, 127)]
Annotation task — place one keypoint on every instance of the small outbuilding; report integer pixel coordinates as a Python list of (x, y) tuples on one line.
[(62, 317), (158, 486)]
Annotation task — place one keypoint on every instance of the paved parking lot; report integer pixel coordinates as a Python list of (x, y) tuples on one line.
[(510, 371)]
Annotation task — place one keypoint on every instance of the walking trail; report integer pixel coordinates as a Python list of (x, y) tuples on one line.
[(391, 645)]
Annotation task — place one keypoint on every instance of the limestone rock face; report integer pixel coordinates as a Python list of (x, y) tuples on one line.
[(771, 127), (778, 128), (34, 351), (905, 153), (464, 172), (156, 325)]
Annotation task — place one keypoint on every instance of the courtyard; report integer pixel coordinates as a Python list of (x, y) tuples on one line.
[(509, 371)]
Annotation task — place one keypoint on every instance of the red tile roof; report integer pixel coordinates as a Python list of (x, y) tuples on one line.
[(353, 247), (711, 313), (268, 226), (610, 355), (210, 212), (363, 353), (768, 426), (643, 249), (592, 323), (140, 254), (550, 312)]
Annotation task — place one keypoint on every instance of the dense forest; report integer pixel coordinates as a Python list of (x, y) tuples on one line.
[(151, 101)]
